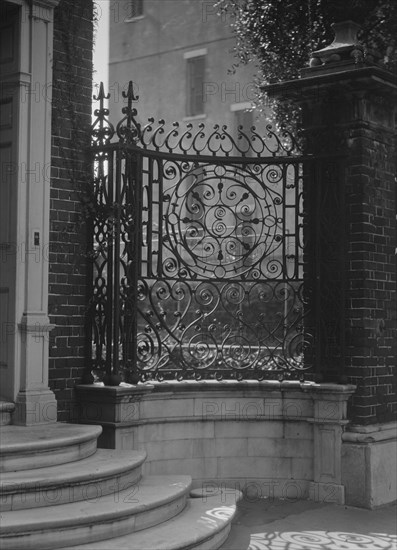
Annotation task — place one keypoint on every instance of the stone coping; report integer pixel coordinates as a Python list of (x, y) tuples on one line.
[(370, 434), (353, 75), (122, 388), (215, 385), (115, 393), (193, 385), (222, 385)]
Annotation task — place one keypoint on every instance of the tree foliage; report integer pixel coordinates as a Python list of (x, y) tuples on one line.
[(279, 35)]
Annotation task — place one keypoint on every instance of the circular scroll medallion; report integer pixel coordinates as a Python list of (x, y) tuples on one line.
[(224, 223)]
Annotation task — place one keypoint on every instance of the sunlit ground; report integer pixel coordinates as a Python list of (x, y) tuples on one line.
[(282, 525), (321, 540)]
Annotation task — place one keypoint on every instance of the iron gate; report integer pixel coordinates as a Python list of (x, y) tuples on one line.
[(197, 251)]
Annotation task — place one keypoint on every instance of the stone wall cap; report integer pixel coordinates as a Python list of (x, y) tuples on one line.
[(192, 386), (370, 434), (125, 389), (372, 428), (328, 387), (351, 76), (220, 385)]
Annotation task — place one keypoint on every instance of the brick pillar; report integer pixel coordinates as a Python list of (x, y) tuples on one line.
[(71, 120), (348, 102)]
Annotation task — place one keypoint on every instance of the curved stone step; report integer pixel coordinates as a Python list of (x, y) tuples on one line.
[(28, 447), (204, 524), (153, 500), (103, 473)]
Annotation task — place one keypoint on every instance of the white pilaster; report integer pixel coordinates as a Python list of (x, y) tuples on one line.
[(35, 403)]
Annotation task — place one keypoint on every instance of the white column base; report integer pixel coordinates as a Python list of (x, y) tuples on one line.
[(369, 465), (35, 407), (329, 421)]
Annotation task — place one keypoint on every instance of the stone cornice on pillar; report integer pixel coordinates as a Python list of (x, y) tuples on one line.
[(328, 388), (352, 78), (370, 434)]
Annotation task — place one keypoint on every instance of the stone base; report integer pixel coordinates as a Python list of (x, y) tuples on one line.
[(369, 469), (327, 493), (267, 439), (35, 407), (116, 408)]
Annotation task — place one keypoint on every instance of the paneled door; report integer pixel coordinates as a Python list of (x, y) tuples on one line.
[(10, 174)]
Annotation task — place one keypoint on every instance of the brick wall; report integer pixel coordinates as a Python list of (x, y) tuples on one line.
[(349, 121), (71, 118), (371, 263), (355, 309)]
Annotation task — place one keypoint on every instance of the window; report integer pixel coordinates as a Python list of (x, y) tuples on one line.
[(136, 8), (245, 119), (195, 85)]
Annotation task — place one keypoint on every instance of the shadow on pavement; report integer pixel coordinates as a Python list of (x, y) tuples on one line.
[(270, 524)]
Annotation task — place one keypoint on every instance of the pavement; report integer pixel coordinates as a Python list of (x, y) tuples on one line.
[(272, 524)]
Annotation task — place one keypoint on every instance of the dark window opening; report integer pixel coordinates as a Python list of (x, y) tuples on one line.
[(195, 86), (245, 119)]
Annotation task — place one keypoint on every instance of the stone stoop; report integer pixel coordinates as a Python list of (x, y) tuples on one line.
[(6, 410), (59, 491)]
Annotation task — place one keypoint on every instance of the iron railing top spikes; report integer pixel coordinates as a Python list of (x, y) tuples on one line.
[(102, 130), (217, 141), (128, 128)]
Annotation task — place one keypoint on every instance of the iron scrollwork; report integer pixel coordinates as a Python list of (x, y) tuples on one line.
[(197, 252)]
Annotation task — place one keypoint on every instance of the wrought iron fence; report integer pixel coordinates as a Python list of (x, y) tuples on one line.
[(197, 251)]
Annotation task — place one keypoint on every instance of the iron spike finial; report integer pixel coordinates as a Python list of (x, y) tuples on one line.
[(101, 130), (101, 94), (128, 128), (130, 92)]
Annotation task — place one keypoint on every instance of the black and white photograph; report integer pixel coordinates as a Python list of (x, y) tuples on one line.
[(198, 294)]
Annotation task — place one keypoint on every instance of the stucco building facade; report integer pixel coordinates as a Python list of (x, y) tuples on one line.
[(179, 54)]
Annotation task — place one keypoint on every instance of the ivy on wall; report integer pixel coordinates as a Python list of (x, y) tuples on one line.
[(279, 36)]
